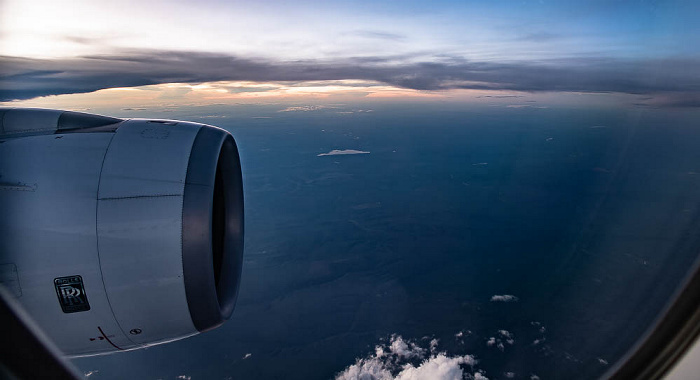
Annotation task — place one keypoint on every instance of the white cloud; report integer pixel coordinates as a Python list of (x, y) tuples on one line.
[(88, 374), (503, 336), (470, 360), (437, 367), (509, 375), (354, 111), (405, 350), (504, 298), (372, 368), (400, 359), (303, 108), (433, 345), (337, 152), (505, 333), (247, 356)]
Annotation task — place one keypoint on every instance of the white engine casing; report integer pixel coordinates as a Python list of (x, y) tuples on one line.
[(141, 219)]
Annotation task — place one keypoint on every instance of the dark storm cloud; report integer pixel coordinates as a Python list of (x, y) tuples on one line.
[(23, 78)]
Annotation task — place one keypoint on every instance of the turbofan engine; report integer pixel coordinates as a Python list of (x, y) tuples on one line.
[(118, 234)]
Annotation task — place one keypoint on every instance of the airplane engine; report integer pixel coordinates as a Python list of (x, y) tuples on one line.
[(119, 234)]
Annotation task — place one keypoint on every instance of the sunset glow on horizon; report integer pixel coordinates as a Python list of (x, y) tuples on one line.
[(213, 51), (337, 97)]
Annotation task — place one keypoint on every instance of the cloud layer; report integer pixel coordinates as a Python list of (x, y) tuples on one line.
[(336, 152), (677, 80), (504, 298), (392, 361)]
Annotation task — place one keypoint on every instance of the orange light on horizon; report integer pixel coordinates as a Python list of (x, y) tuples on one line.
[(172, 95)]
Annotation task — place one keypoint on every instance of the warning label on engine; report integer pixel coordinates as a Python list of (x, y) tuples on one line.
[(71, 294)]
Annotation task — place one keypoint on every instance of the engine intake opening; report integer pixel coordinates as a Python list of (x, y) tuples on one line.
[(227, 231), (218, 231), (212, 228)]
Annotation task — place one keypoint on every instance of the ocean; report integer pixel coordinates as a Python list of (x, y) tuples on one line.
[(488, 241)]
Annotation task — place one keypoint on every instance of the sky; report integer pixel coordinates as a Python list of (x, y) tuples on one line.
[(641, 53)]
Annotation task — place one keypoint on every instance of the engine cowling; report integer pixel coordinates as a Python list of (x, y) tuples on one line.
[(119, 234)]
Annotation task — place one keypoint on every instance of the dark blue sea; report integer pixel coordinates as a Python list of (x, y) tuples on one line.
[(542, 242)]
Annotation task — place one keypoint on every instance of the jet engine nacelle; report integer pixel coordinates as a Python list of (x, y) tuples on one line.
[(119, 234)]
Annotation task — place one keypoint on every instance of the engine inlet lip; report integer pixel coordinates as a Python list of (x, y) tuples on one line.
[(212, 228), (227, 275)]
